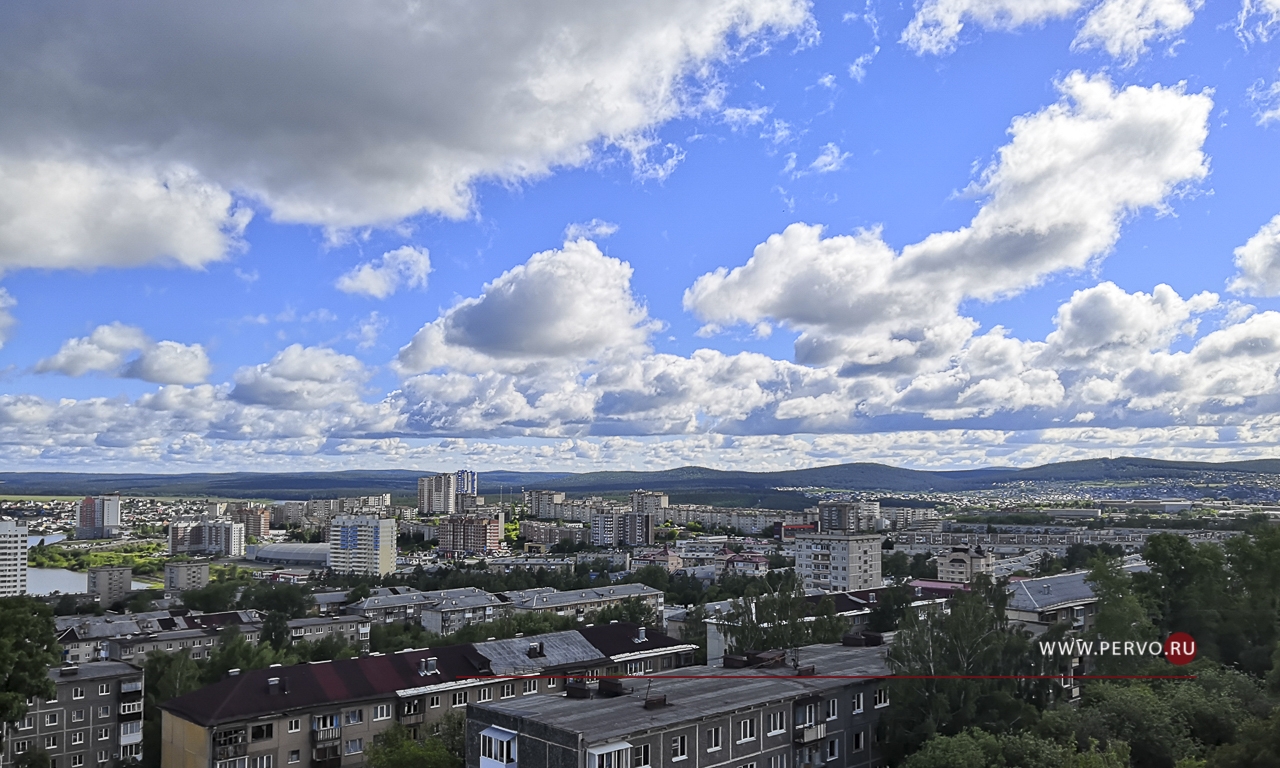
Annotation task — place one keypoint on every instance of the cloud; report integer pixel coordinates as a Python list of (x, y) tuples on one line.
[(1121, 27), (404, 267), (937, 24), (1257, 20), (858, 69), (1055, 200), (301, 378), (595, 229), (108, 347), (1124, 27), (738, 118), (572, 303), (67, 212), (1266, 101), (369, 329), (1258, 262), (7, 320), (829, 159), (276, 102)]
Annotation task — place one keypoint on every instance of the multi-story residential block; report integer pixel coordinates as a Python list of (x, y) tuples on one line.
[(581, 602), (390, 605), (1065, 598), (13, 557), (256, 520), (606, 529), (541, 504), (206, 535), (665, 558), (437, 495), (326, 714), (94, 719), (628, 529), (110, 583), (449, 610), (353, 629), (470, 534), (777, 717), (649, 503), (99, 517), (838, 561), (182, 576), (362, 544), (848, 516), (540, 532), (964, 563)]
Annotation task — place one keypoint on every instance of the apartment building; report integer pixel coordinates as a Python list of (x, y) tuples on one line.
[(838, 561), (541, 504), (13, 557), (649, 503), (256, 520), (449, 610), (109, 583), (1066, 598), (540, 532), (964, 563), (777, 717), (362, 544), (327, 714), (206, 535), (180, 577), (99, 517), (353, 629), (94, 719), (581, 602), (437, 495), (849, 516), (470, 534)]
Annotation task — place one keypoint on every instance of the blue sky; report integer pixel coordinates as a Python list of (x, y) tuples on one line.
[(737, 233)]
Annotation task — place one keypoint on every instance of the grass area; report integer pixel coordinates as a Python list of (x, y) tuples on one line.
[(20, 497), (144, 559)]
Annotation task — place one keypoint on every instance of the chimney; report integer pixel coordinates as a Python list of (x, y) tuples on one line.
[(70, 671), (273, 685), (655, 702), (431, 665), (640, 635), (233, 672), (535, 650)]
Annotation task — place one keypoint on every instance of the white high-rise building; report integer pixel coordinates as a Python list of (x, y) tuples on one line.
[(13, 557), (649, 503), (839, 561), (99, 517), (437, 495), (203, 535), (362, 544), (467, 482), (542, 503)]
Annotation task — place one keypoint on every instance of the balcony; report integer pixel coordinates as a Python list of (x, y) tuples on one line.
[(230, 751), (414, 719), (326, 736), (131, 686), (807, 733)]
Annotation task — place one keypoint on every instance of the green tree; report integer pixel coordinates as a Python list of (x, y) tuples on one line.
[(634, 609), (275, 630), (215, 597), (28, 648), (34, 758), (290, 599), (1121, 615), (896, 565), (395, 748)]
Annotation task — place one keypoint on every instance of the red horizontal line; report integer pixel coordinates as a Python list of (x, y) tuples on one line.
[(837, 677)]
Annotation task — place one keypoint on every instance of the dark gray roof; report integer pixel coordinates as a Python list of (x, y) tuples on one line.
[(94, 670), (545, 597), (1049, 592), (511, 657), (609, 719), (317, 553)]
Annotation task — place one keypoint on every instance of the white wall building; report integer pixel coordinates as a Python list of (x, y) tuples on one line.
[(838, 561), (362, 544), (13, 557), (437, 495)]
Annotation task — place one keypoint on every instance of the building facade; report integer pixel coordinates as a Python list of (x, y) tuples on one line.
[(13, 557), (838, 561), (470, 534), (99, 517), (179, 577), (437, 495), (110, 583), (94, 720), (541, 504), (362, 544), (205, 535), (964, 563)]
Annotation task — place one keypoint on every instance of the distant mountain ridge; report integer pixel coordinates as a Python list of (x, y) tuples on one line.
[(863, 476)]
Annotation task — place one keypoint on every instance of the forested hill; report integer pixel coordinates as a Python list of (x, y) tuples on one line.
[(690, 481)]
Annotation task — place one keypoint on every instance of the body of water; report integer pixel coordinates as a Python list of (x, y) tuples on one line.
[(48, 539), (42, 581)]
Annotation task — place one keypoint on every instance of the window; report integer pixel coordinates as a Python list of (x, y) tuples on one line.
[(501, 750), (20, 746), (104, 689), (131, 750), (128, 729), (640, 756), (460, 698), (810, 712), (614, 759), (77, 693), (778, 761), (262, 731), (508, 690), (295, 756), (27, 722), (435, 701), (858, 742), (131, 707), (261, 761), (833, 749), (50, 742), (551, 682), (354, 746), (51, 718), (530, 686), (748, 765), (77, 737), (354, 716), (77, 761), (102, 755), (881, 698), (295, 725), (713, 739), (679, 747), (104, 711), (485, 694), (777, 722), (833, 709), (857, 703), (382, 712), (747, 730), (104, 733)]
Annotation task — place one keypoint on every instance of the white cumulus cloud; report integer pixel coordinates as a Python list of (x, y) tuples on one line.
[(108, 348), (1124, 27), (301, 378), (406, 267), (937, 24), (1258, 262)]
